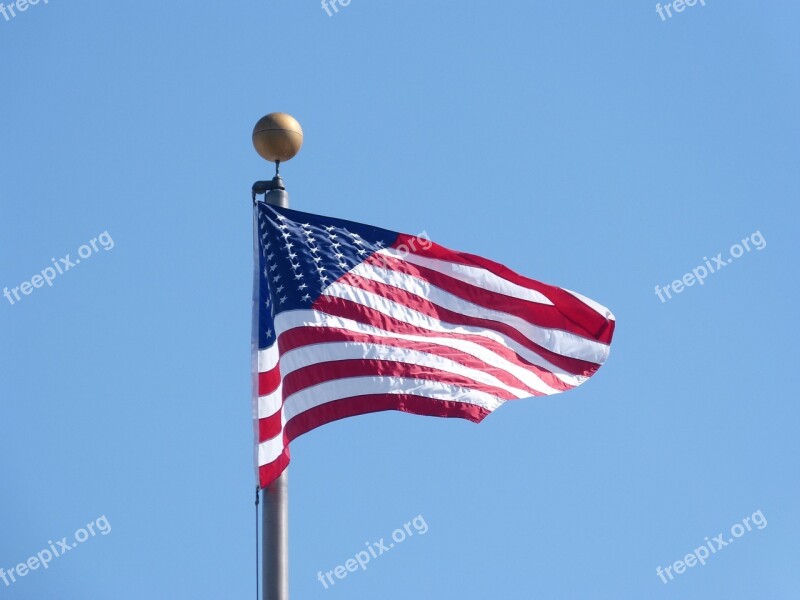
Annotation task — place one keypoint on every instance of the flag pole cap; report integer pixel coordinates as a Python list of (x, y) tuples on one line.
[(277, 137)]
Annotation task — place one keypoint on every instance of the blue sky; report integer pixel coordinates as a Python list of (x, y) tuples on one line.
[(589, 145)]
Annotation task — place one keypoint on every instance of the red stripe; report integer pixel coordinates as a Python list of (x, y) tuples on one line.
[(304, 336), (271, 471), (355, 367), (269, 427), (541, 315), (268, 381), (341, 369), (426, 307), (360, 405), (321, 372), (573, 309), (340, 307)]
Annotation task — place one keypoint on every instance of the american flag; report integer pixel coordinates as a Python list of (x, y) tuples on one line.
[(354, 319)]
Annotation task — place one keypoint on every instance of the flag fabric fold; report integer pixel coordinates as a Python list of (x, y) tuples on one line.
[(351, 319)]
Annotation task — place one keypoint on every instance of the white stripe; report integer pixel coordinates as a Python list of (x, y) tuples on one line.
[(270, 450), (271, 403), (558, 341), (477, 276), (305, 356), (310, 318), (268, 358), (596, 306), (337, 389)]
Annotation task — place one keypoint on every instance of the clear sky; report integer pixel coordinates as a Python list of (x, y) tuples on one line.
[(591, 145)]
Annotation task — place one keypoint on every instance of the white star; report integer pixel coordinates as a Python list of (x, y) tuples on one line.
[(298, 275), (316, 259), (286, 235), (268, 245), (270, 256), (312, 249), (273, 267), (266, 303), (295, 266), (266, 273), (361, 251), (321, 269), (343, 265), (324, 278), (336, 245), (306, 297), (292, 255), (283, 227), (280, 217), (333, 236), (277, 278), (305, 225), (359, 242), (330, 228), (379, 244), (284, 299), (339, 255), (279, 289), (355, 235), (302, 286), (269, 333), (289, 245)]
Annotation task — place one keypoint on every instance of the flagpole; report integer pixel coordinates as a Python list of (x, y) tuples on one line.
[(277, 137), (275, 545), (275, 499)]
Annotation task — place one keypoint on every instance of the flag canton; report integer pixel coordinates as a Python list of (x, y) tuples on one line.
[(301, 254)]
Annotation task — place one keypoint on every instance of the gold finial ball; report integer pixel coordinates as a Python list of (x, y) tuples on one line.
[(277, 136)]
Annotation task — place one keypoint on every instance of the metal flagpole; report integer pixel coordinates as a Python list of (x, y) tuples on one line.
[(275, 511), (275, 545), (277, 137)]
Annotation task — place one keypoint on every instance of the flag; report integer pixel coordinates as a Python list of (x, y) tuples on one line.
[(352, 319)]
